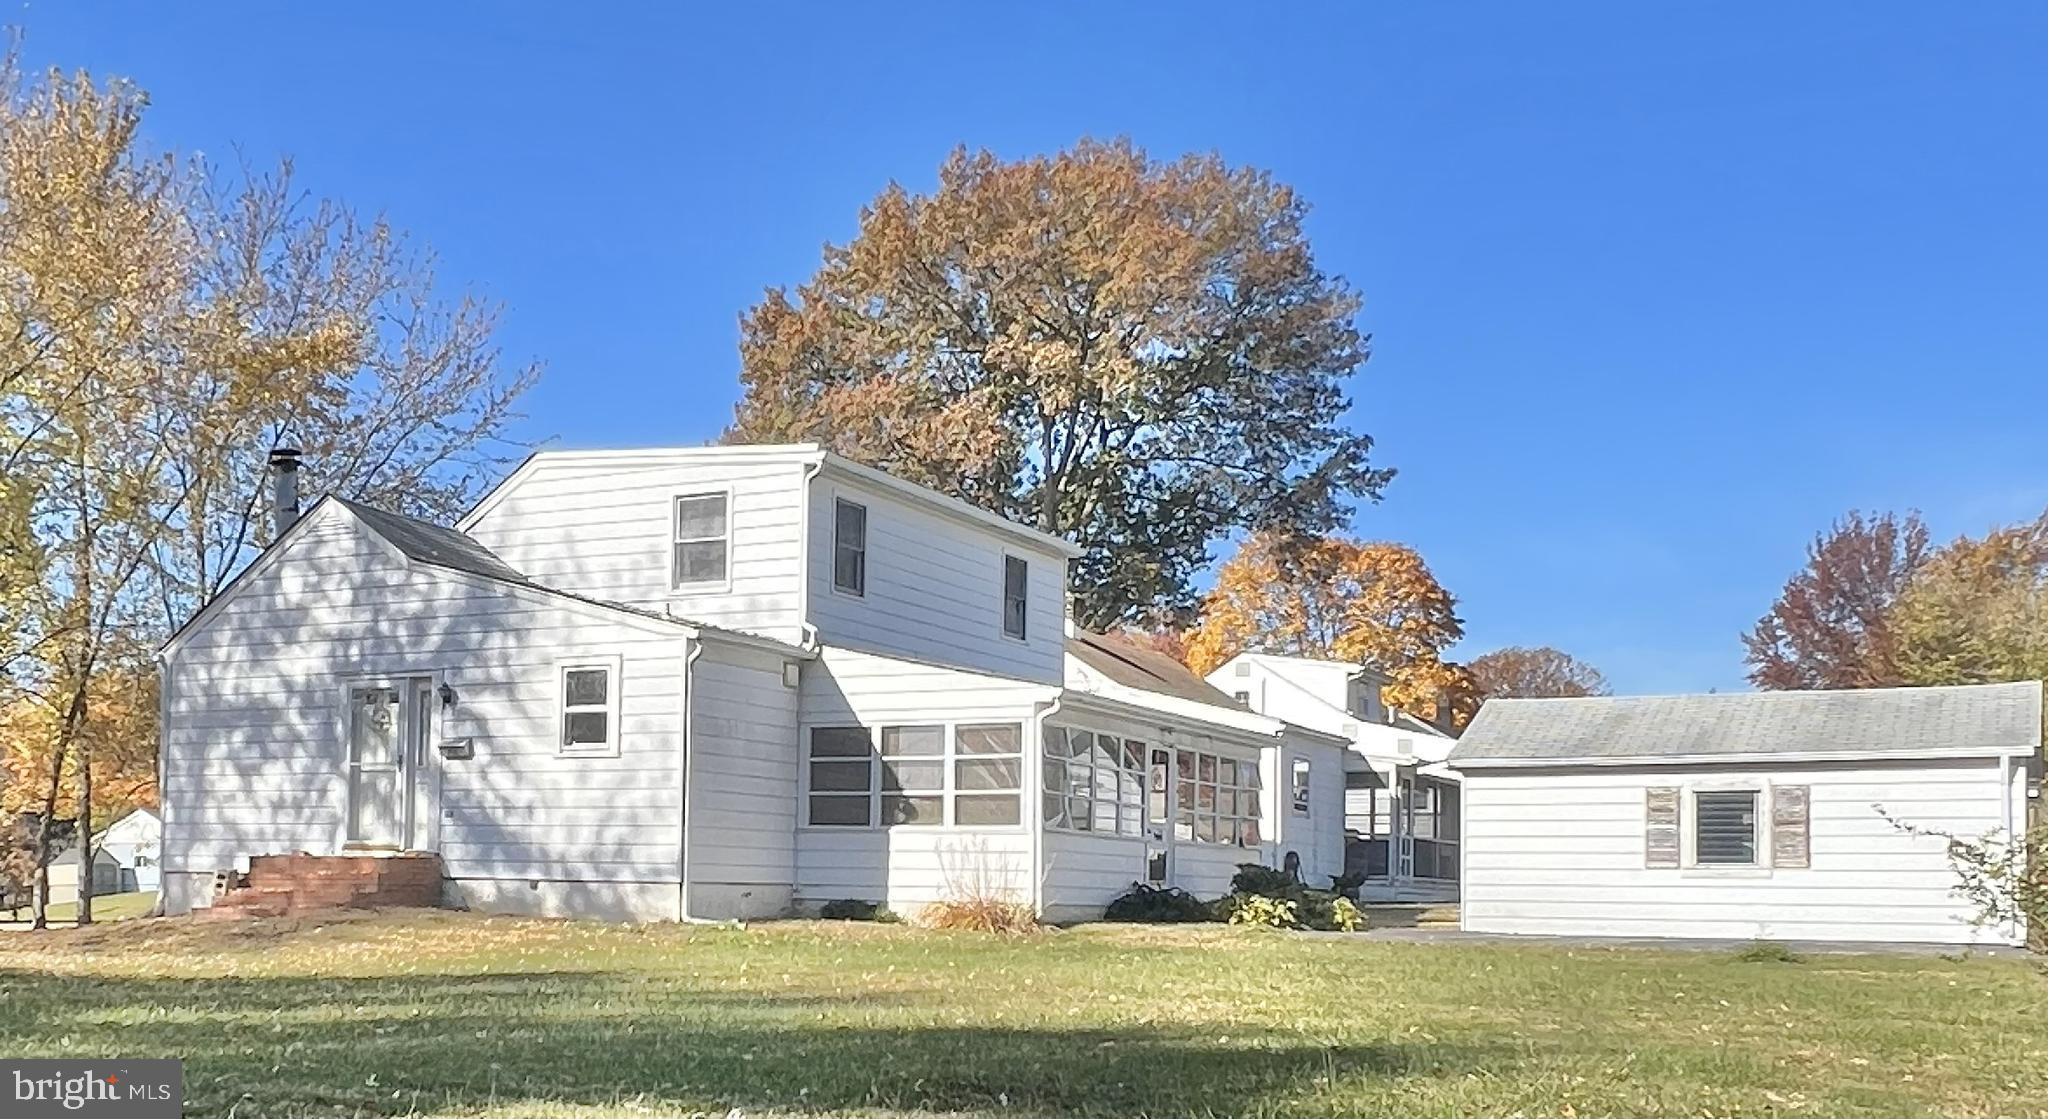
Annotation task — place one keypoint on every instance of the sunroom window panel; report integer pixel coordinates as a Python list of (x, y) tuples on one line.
[(994, 738), (913, 776), (986, 774), (913, 810), (840, 811), (913, 741), (841, 777), (840, 742), (985, 811)]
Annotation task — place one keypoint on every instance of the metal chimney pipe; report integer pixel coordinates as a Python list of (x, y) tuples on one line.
[(284, 489)]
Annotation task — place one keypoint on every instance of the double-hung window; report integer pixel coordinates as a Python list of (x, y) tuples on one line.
[(1298, 789), (703, 541), (1016, 596), (850, 547), (842, 777), (589, 719), (913, 775)]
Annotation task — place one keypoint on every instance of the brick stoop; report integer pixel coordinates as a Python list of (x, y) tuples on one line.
[(279, 885)]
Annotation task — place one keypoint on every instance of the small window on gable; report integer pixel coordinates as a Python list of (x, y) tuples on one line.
[(850, 547), (1016, 596), (1724, 827), (590, 708), (703, 540)]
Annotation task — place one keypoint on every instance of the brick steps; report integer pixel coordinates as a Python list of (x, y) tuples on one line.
[(282, 885)]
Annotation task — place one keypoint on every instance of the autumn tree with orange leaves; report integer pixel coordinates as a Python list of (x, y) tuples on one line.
[(1522, 672), (1832, 625), (1139, 355), (1372, 603)]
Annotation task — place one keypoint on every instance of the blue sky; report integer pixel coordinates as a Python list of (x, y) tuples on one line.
[(1657, 290)]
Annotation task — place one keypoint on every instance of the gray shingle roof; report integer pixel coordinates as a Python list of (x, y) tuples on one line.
[(1963, 721), (1136, 667), (439, 545)]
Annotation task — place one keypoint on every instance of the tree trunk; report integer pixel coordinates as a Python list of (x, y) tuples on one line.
[(85, 875), (39, 897)]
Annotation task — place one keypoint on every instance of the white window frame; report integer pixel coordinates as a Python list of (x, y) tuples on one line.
[(949, 789), (1689, 835), (1003, 616), (837, 501), (676, 585), (613, 667), (1300, 787)]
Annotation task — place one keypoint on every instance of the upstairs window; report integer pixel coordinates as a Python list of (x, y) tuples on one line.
[(850, 547), (703, 540), (1016, 596)]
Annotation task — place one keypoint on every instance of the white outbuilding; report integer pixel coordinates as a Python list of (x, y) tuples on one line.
[(1777, 815)]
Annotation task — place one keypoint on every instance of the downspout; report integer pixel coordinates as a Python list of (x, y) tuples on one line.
[(807, 634), (686, 780), (1034, 798)]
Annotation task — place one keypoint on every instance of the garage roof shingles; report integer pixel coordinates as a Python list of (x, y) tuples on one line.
[(1976, 720)]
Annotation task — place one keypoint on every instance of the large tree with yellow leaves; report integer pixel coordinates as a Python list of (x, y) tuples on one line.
[(1369, 602), (161, 328), (1139, 355)]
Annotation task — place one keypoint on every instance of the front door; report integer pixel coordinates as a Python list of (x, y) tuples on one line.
[(1158, 816), (388, 733)]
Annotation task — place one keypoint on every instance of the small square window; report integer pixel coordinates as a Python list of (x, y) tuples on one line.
[(1724, 827)]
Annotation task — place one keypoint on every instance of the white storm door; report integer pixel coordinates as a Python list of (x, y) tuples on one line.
[(377, 793), (1158, 816)]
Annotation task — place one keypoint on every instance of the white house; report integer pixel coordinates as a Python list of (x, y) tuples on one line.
[(1774, 815), (128, 854), (1400, 800), (709, 683)]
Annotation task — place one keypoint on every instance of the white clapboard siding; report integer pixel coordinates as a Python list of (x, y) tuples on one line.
[(743, 800), (907, 867), (1319, 836), (606, 530), (1562, 852), (253, 756), (1085, 871), (934, 588)]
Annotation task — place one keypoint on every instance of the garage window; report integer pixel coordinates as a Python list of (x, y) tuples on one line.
[(1724, 827)]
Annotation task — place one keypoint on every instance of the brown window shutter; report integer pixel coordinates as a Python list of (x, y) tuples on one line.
[(1660, 835), (1791, 834)]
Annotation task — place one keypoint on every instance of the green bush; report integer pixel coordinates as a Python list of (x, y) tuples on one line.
[(854, 909), (1347, 885), (1265, 881), (1346, 915), (1767, 952), (1261, 911), (1153, 905)]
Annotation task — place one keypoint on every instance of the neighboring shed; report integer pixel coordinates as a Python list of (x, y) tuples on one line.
[(1772, 815)]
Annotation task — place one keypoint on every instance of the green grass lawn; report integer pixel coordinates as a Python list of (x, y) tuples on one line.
[(107, 907), (453, 1014)]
